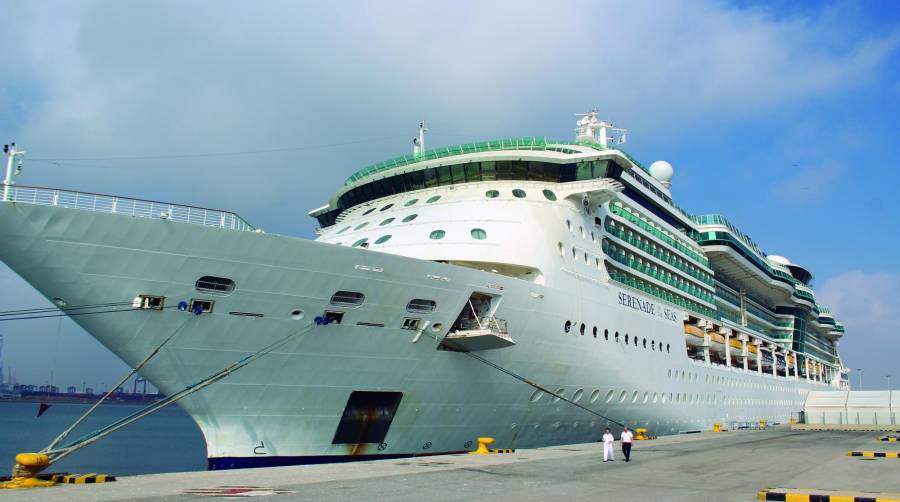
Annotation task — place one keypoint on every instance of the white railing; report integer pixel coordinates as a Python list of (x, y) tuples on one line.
[(123, 205)]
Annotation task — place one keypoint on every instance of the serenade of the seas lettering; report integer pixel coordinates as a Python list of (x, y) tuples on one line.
[(647, 307)]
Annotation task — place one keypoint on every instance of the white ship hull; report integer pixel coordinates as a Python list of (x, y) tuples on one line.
[(286, 407)]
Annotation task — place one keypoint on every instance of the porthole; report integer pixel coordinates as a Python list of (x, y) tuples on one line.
[(536, 396), (623, 396), (409, 218), (560, 393), (369, 211), (595, 331), (361, 225), (626, 338), (343, 229), (386, 222), (518, 193), (562, 250), (577, 396), (296, 314), (617, 337), (609, 395), (364, 242), (595, 395), (385, 208), (655, 397), (606, 334), (383, 239), (437, 234), (437, 327), (587, 260), (635, 341), (634, 397), (667, 347), (479, 234), (492, 194), (434, 198), (212, 284), (420, 306), (568, 326), (582, 329), (653, 345), (568, 225), (549, 195), (645, 343), (574, 252), (410, 202), (348, 298)]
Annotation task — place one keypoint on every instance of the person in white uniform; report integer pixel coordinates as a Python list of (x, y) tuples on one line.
[(627, 438), (608, 439)]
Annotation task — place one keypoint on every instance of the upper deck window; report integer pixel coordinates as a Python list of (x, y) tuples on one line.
[(492, 194), (410, 218), (437, 234), (385, 208), (369, 211), (361, 225), (410, 202), (348, 298), (433, 199), (386, 222), (549, 194), (479, 234), (344, 229), (519, 193), (420, 306)]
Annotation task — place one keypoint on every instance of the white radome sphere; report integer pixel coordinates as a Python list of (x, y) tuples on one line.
[(662, 171), (781, 260)]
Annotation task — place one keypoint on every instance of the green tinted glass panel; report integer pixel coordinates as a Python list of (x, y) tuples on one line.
[(383, 239), (490, 194), (361, 225), (549, 195), (410, 218), (437, 234), (479, 234), (519, 193), (385, 222), (433, 199), (410, 202)]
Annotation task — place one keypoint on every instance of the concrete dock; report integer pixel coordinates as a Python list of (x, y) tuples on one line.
[(732, 465)]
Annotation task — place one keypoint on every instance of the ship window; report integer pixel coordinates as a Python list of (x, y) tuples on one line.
[(412, 324), (562, 251), (385, 208), (361, 225), (606, 334), (609, 395), (645, 343), (437, 234), (617, 337), (148, 302), (479, 234), (595, 395), (518, 193), (215, 284), (201, 306), (410, 202), (344, 229), (410, 218), (595, 331), (549, 195), (348, 298), (667, 347), (383, 239), (635, 341), (421, 306), (626, 338), (386, 222), (582, 329), (433, 199), (369, 211), (492, 194), (364, 242), (568, 225), (568, 326)]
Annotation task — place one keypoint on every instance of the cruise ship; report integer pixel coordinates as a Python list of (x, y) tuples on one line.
[(529, 290)]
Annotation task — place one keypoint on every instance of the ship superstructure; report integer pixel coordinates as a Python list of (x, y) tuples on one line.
[(565, 262)]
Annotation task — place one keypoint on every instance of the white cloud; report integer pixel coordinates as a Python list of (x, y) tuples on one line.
[(869, 306)]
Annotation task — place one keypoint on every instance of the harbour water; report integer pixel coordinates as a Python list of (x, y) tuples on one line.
[(166, 441)]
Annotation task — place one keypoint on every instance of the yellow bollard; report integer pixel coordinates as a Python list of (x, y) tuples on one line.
[(640, 434), (793, 421), (483, 446), (717, 427), (28, 465), (763, 424)]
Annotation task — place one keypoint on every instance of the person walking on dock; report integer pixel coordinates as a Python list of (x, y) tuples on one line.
[(627, 438), (608, 439)]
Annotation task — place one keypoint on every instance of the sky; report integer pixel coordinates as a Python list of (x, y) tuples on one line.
[(783, 116)]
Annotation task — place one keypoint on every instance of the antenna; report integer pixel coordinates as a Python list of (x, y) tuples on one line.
[(12, 154), (419, 143), (591, 129)]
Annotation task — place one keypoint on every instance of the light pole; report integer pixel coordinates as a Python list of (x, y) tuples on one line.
[(859, 374)]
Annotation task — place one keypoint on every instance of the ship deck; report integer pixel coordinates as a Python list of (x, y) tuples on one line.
[(732, 465)]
